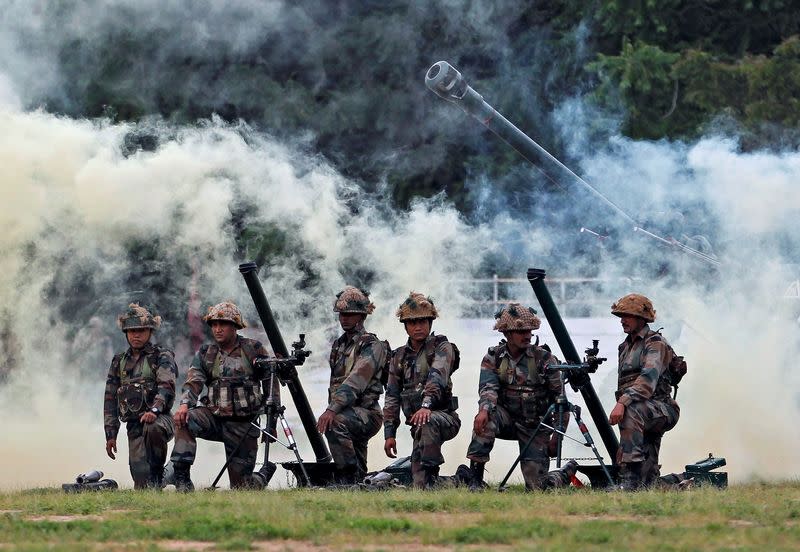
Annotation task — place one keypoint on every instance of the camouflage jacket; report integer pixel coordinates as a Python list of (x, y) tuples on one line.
[(357, 361), (163, 370), (643, 361), (404, 378), (230, 365), (524, 387)]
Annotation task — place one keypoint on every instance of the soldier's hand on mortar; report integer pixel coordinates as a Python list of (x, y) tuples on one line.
[(325, 421), (148, 418), (480, 422), (616, 414), (181, 416), (421, 417), (390, 447), (111, 448)]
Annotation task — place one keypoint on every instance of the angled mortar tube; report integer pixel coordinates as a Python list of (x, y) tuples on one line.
[(446, 81), (582, 384), (249, 272)]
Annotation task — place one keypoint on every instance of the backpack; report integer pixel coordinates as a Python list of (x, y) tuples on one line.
[(676, 368), (675, 371)]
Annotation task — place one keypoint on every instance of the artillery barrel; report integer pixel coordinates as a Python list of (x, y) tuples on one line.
[(446, 81), (250, 274), (584, 384)]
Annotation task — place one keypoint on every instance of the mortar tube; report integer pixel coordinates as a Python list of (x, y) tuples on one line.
[(249, 272), (584, 385)]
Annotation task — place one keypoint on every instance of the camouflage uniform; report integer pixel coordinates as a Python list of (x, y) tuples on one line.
[(517, 394), (357, 361), (413, 381), (234, 400), (644, 389), (134, 387)]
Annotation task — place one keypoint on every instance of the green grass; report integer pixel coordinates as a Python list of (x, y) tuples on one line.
[(748, 517)]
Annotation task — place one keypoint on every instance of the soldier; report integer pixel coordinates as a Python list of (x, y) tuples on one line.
[(357, 362), (419, 381), (644, 409), (229, 369), (140, 390), (516, 389)]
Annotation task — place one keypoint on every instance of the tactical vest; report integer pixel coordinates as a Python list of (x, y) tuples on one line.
[(136, 394), (630, 368), (527, 401), (369, 398), (235, 394), (413, 390)]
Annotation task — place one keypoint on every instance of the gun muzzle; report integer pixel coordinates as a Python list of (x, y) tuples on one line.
[(378, 478), (446, 81), (89, 477)]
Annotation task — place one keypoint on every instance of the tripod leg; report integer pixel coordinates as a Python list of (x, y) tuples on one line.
[(589, 441), (293, 446), (522, 451)]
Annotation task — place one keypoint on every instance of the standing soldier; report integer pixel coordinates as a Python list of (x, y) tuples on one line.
[(140, 390), (515, 390), (357, 362), (644, 409), (419, 380), (229, 369)]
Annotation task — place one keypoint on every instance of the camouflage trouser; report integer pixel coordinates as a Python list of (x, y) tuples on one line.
[(348, 437), (535, 460), (203, 424), (640, 432), (428, 439), (147, 446)]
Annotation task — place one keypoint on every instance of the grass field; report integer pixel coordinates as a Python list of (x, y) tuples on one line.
[(748, 517)]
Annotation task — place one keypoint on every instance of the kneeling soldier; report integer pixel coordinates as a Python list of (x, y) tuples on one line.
[(229, 370), (353, 415), (515, 390), (419, 381), (140, 390), (644, 410)]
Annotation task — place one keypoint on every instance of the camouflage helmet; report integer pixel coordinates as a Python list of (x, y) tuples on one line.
[(634, 304), (226, 311), (515, 317), (416, 307), (352, 300), (137, 317)]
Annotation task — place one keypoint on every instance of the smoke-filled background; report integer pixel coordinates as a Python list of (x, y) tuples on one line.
[(148, 150)]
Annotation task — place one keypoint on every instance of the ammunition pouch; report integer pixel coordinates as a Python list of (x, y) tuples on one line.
[(524, 403), (135, 398), (411, 401), (235, 397)]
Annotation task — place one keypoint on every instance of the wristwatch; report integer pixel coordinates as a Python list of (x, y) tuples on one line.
[(426, 403), (155, 410)]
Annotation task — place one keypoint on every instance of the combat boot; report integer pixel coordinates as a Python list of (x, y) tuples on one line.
[(183, 482), (477, 469), (156, 479), (431, 476), (630, 476)]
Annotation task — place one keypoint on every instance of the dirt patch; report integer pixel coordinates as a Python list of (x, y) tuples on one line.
[(10, 511), (64, 519), (444, 519), (305, 546), (180, 545), (741, 523)]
